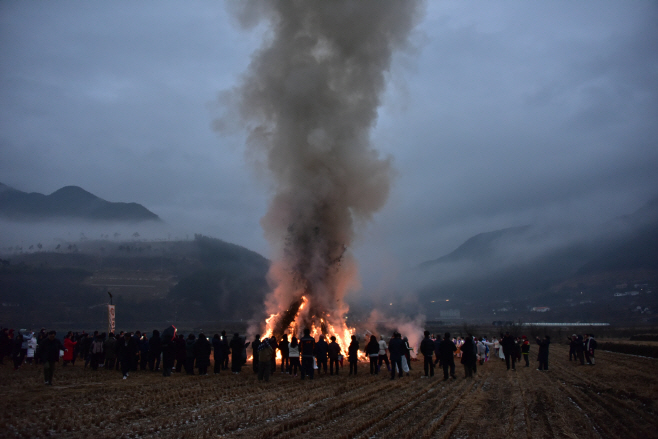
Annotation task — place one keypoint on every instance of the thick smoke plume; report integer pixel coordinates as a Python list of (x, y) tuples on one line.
[(308, 101)]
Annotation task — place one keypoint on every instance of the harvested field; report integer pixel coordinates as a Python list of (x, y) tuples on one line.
[(641, 348), (617, 398)]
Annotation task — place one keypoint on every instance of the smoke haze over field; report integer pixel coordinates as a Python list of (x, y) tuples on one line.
[(502, 115)]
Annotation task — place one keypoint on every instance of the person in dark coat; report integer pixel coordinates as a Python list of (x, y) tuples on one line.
[(5, 344), (181, 352), (265, 353), (17, 354), (144, 349), (447, 357), (155, 350), (589, 348), (254, 353), (372, 350), (273, 344), (285, 357), (236, 346), (217, 349), (189, 354), (135, 359), (396, 349), (334, 351), (572, 347), (49, 351), (468, 356), (126, 351), (226, 350), (542, 356), (321, 353), (110, 348), (509, 349), (202, 349), (580, 349), (245, 345), (168, 346), (353, 353), (84, 346), (306, 352), (427, 349)]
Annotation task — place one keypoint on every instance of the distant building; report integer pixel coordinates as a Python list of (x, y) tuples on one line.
[(633, 293), (540, 309)]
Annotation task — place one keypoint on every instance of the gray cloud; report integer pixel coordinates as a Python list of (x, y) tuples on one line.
[(506, 114)]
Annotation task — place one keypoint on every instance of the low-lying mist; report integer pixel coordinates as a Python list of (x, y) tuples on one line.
[(22, 237)]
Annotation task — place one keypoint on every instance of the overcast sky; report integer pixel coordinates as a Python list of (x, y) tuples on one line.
[(503, 114)]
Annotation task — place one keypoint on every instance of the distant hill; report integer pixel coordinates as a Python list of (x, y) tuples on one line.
[(478, 247), (68, 202), (152, 283), (517, 263)]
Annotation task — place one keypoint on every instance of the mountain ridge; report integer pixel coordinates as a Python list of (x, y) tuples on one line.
[(68, 202)]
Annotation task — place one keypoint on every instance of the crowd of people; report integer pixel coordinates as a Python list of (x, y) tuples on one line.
[(171, 351)]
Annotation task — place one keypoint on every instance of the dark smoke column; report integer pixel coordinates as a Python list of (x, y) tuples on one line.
[(308, 101)]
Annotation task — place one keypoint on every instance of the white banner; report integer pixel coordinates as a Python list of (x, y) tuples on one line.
[(110, 318)]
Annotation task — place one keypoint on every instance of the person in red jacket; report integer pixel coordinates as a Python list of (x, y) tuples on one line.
[(69, 349)]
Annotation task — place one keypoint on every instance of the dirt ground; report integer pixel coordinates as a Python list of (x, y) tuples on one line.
[(617, 398)]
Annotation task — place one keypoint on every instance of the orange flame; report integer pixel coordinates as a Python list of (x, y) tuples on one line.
[(340, 330)]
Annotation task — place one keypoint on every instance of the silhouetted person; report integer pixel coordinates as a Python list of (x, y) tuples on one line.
[(396, 348), (110, 348), (334, 352), (468, 357), (273, 345), (372, 350), (427, 349), (127, 350), (353, 353), (168, 345), (155, 350), (264, 353), (189, 354), (202, 349), (225, 351), (589, 347), (509, 350), (49, 351), (542, 356), (321, 353), (217, 349), (446, 355), (236, 346), (285, 358), (306, 351), (181, 352), (254, 353)]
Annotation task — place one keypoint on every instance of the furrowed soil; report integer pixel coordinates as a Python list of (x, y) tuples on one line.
[(616, 398)]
